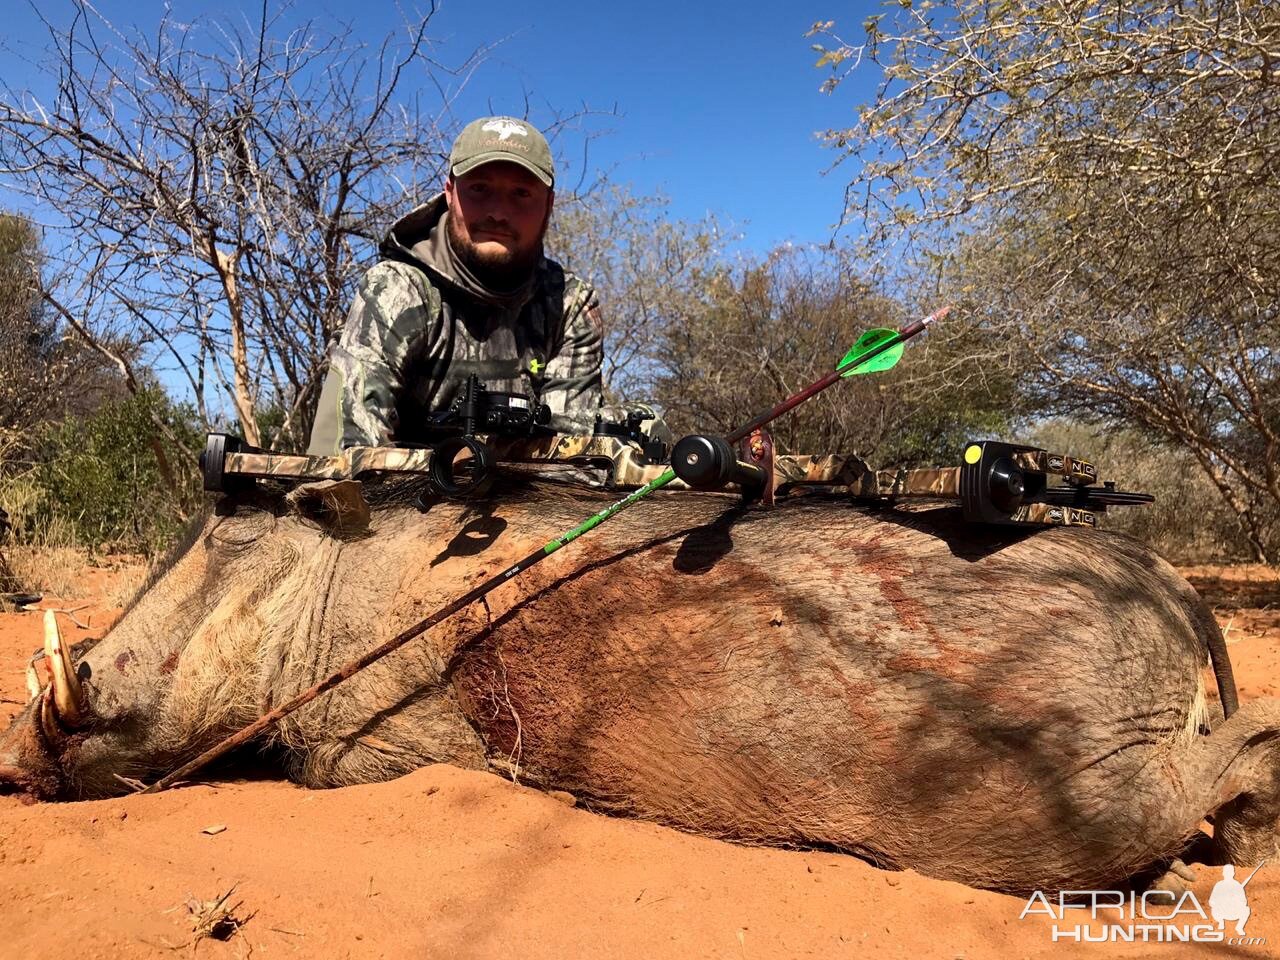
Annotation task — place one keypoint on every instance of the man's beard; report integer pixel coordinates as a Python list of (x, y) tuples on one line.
[(502, 270)]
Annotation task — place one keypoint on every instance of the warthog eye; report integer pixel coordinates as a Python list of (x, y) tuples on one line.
[(238, 532)]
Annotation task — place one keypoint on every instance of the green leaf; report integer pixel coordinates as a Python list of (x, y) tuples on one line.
[(852, 364)]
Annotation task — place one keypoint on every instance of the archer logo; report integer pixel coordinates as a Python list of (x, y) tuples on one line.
[(1156, 916), (505, 129), (1229, 901)]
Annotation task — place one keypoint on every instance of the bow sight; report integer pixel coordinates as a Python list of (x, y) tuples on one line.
[(481, 410), (461, 464)]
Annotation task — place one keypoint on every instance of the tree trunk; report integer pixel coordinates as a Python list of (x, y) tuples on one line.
[(225, 264), (1247, 519)]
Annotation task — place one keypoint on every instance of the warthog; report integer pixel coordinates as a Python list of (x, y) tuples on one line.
[(1013, 709)]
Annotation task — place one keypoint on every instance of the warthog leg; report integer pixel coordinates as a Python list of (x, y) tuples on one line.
[(1175, 881), (420, 728)]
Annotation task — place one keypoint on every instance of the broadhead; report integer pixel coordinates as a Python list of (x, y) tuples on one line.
[(936, 315)]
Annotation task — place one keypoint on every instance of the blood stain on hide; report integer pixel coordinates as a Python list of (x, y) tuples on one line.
[(908, 610), (889, 574), (856, 692), (170, 663), (914, 663), (124, 660)]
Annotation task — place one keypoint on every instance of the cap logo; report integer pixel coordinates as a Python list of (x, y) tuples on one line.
[(505, 128)]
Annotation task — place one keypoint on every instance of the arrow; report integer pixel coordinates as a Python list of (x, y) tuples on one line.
[(871, 346)]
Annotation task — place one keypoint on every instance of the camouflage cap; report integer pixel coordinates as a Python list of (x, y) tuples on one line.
[(502, 138)]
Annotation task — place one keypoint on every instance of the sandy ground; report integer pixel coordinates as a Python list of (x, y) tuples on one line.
[(450, 863)]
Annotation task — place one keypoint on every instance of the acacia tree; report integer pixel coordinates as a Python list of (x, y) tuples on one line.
[(43, 375), (29, 349), (210, 187), (1098, 185)]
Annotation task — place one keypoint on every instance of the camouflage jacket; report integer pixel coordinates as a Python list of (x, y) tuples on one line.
[(417, 330)]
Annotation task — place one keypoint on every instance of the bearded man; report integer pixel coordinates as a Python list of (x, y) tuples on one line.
[(463, 288)]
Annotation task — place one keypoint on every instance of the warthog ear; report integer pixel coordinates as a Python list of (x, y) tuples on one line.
[(337, 505)]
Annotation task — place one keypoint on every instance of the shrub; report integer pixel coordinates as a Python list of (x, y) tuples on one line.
[(97, 482)]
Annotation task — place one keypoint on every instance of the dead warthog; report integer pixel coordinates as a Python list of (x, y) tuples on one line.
[(1013, 709)]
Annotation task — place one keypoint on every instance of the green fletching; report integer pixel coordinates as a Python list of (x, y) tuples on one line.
[(853, 364)]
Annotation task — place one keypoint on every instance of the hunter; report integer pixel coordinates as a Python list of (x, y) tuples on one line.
[(463, 287)]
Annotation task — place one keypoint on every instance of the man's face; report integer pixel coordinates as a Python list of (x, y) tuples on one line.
[(498, 213)]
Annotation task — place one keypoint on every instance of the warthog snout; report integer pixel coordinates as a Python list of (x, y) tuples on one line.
[(27, 765), (55, 713)]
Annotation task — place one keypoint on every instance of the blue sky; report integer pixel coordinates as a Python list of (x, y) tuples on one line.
[(717, 102)]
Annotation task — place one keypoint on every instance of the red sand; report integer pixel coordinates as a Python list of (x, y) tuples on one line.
[(453, 863)]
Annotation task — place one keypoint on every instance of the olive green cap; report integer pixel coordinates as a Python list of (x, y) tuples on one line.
[(502, 138)]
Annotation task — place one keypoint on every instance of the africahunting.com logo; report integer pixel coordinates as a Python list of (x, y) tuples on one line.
[(1156, 916)]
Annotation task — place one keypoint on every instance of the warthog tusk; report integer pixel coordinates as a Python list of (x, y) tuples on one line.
[(68, 695), (33, 682)]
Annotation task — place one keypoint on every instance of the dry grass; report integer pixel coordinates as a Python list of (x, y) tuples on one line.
[(214, 919), (46, 556), (71, 573), (125, 583), (53, 571), (20, 498), (210, 920), (44, 559)]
